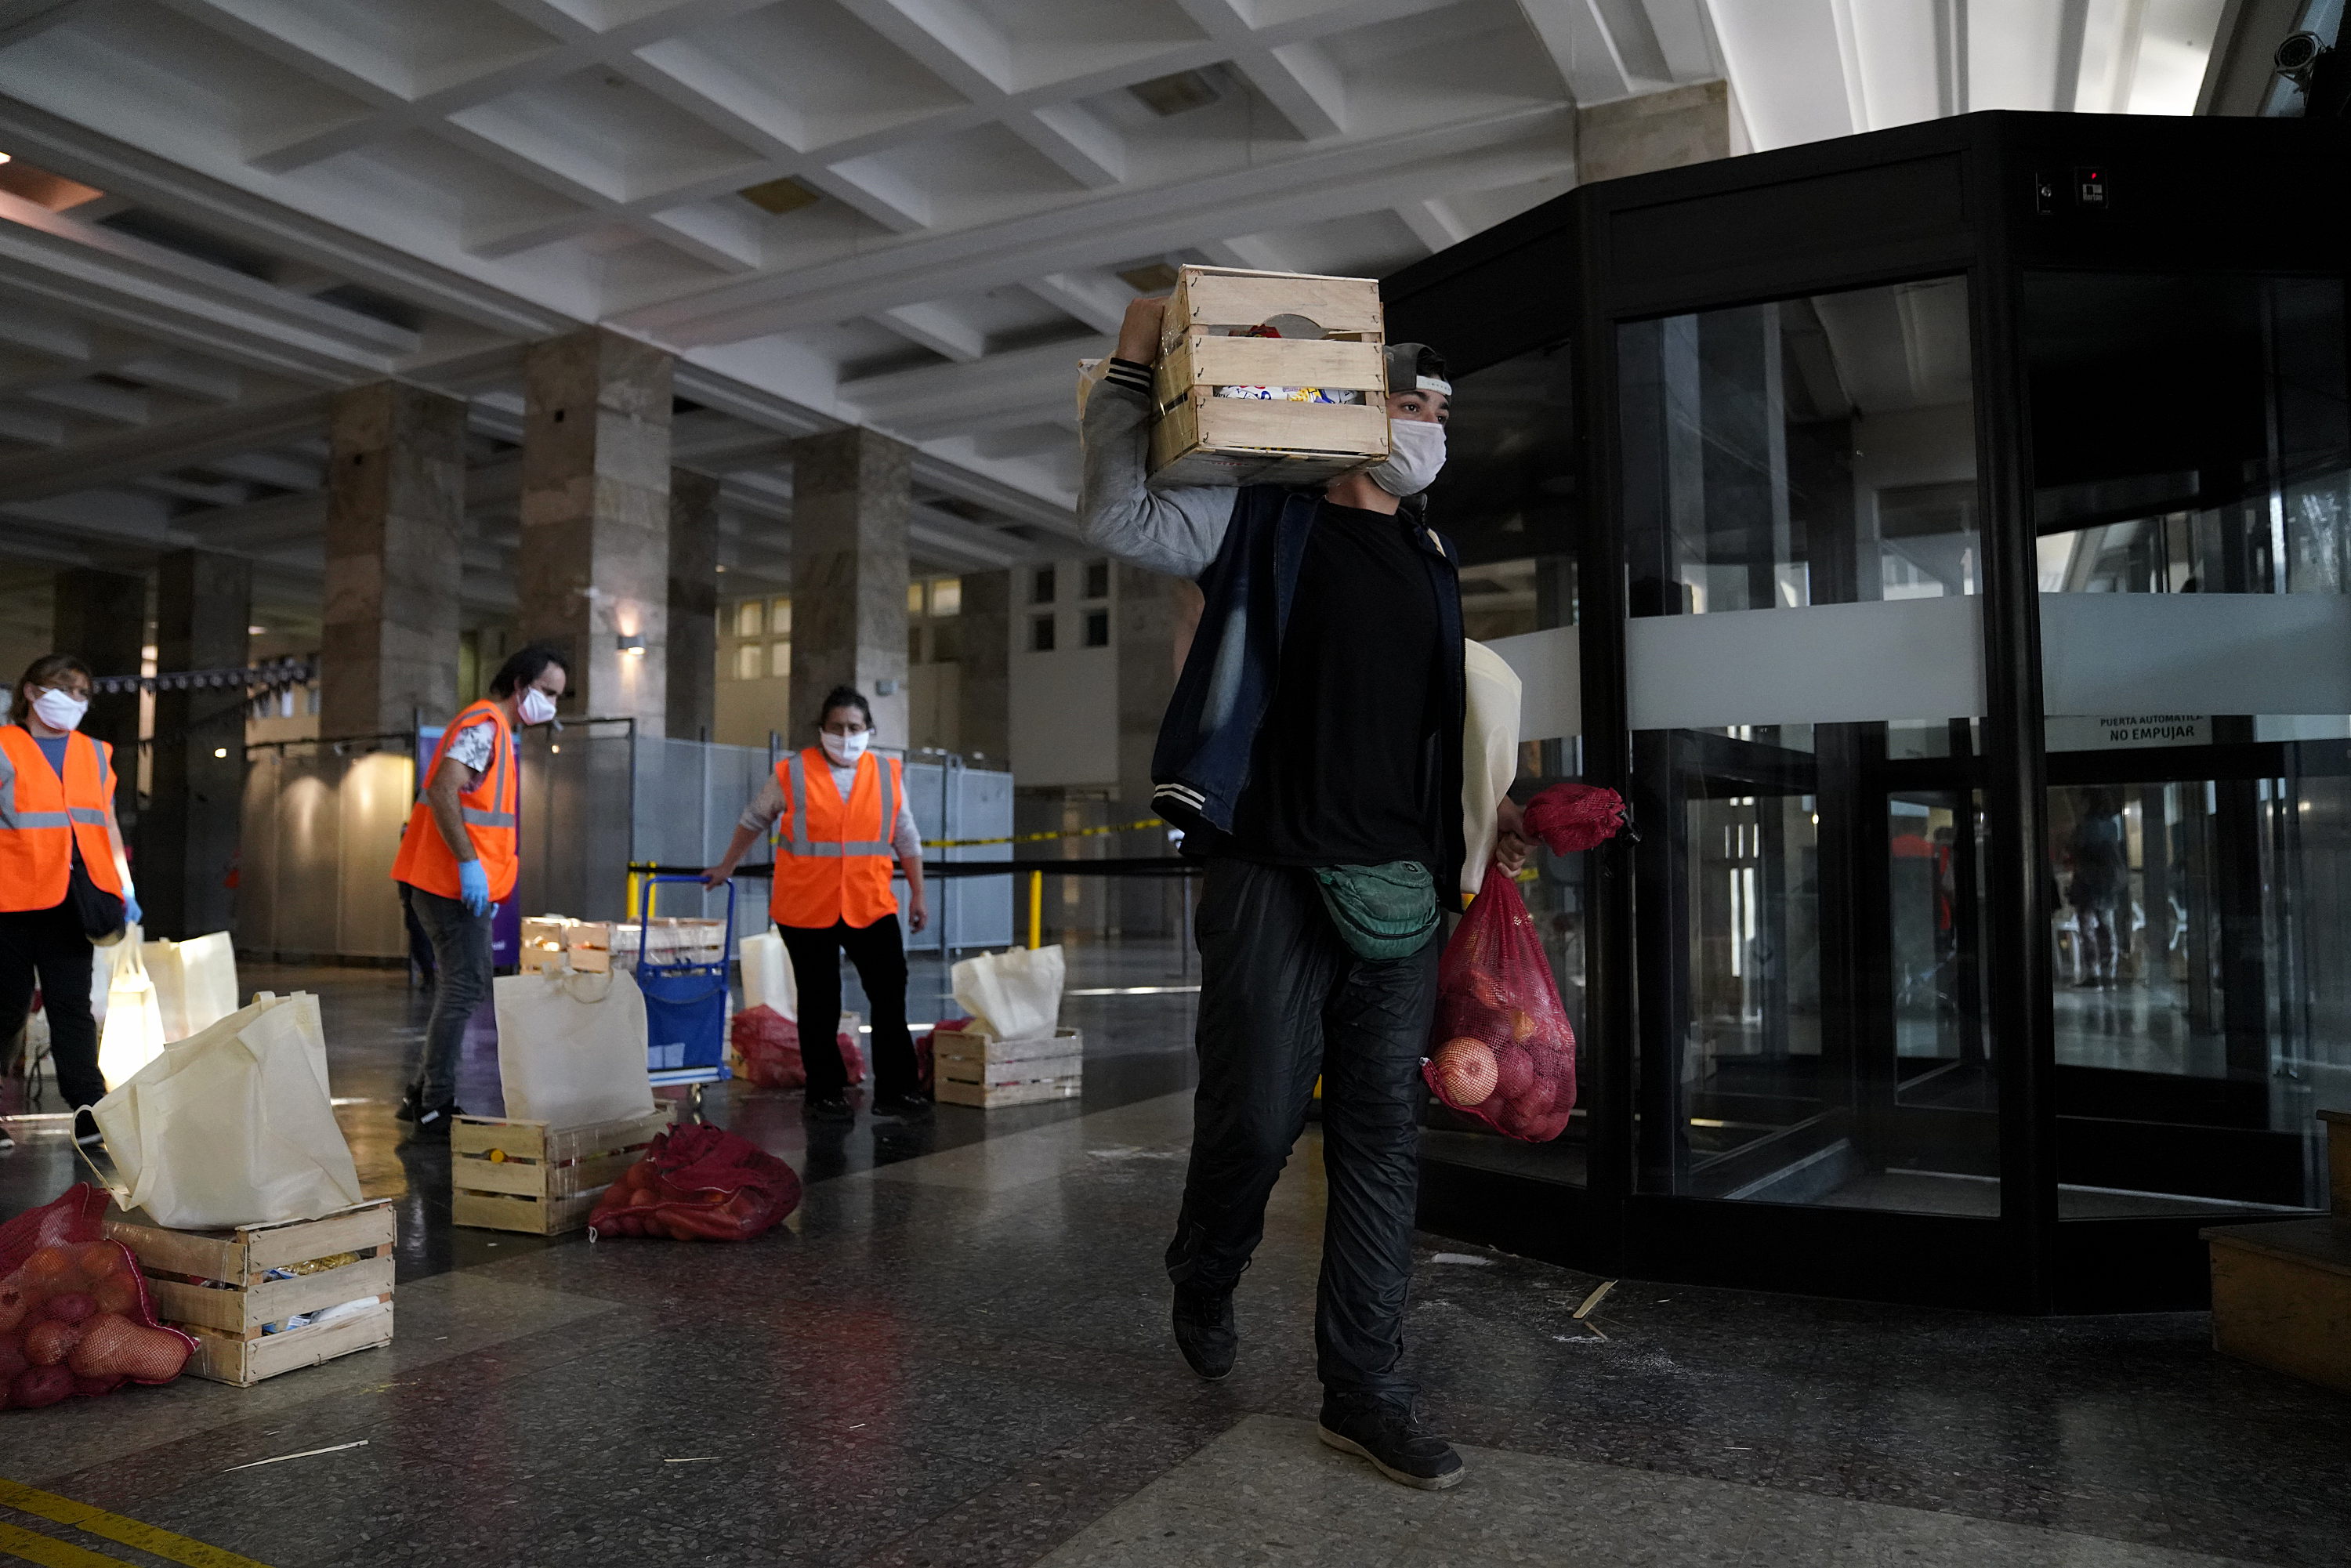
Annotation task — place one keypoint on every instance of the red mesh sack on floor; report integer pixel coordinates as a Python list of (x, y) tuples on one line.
[(698, 1183), (74, 1312), (769, 1046)]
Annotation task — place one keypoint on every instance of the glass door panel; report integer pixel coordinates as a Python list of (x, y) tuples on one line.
[(1803, 676)]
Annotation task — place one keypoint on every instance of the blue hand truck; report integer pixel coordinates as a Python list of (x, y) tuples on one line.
[(685, 1007)]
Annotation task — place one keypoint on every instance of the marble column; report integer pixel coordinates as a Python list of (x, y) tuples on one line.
[(592, 572), (852, 492), (395, 539), (1688, 124), (693, 652), (984, 729), (102, 618), (188, 839)]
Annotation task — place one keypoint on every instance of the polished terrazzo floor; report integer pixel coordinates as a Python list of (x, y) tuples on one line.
[(956, 1354)]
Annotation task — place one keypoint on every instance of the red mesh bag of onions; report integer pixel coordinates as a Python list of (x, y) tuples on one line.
[(698, 1183), (1505, 1051), (74, 1313)]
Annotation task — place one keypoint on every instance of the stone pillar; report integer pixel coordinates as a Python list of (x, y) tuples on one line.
[(984, 727), (593, 566), (188, 840), (1145, 616), (395, 538), (693, 652), (1688, 124), (852, 492), (102, 618)]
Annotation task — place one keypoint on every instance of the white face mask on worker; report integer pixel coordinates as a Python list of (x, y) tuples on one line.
[(537, 707), (59, 710), (846, 749), (1415, 452)]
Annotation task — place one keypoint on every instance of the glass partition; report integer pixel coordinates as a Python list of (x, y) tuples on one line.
[(1804, 671), (2192, 465)]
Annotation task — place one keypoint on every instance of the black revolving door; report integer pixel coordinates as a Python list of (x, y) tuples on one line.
[(1952, 565)]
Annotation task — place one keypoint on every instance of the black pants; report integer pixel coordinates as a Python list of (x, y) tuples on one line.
[(880, 953), (1282, 998), (50, 942)]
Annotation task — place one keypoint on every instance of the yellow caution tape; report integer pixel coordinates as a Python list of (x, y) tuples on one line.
[(53, 1554), (1040, 838)]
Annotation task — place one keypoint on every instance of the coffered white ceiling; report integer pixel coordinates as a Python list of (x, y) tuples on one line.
[(914, 214)]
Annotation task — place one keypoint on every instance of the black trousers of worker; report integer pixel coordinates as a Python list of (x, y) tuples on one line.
[(50, 942), (880, 953), (1282, 998)]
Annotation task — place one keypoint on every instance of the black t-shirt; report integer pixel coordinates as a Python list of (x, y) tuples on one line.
[(1344, 768)]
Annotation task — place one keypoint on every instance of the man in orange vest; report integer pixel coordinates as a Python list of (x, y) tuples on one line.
[(457, 863), (64, 878), (845, 821)]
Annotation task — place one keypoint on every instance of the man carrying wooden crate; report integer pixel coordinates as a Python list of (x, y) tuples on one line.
[(1312, 755)]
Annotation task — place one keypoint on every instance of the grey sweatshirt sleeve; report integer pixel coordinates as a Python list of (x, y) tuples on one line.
[(1176, 530), (904, 842), (765, 808)]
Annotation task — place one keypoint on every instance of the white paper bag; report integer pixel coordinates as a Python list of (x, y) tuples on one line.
[(1015, 994), (768, 979), (134, 1032), (234, 1125), (196, 981), (571, 1047), (1489, 755)]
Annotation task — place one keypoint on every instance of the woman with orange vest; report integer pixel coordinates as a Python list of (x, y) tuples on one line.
[(457, 864), (845, 819), (57, 829)]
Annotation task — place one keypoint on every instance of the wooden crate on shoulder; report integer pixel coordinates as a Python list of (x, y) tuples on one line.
[(217, 1285), (969, 1069), (539, 1179), (1203, 439)]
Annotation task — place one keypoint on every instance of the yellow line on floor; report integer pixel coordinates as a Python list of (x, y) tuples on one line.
[(49, 1551), (111, 1526)]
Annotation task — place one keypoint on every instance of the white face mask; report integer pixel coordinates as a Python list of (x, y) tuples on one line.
[(1415, 452), (845, 750), (59, 710), (537, 707)]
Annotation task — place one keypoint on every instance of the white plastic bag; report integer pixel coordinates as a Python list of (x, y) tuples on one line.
[(1490, 756), (132, 1035), (768, 979), (571, 1047), (1015, 994), (196, 981), (234, 1125)]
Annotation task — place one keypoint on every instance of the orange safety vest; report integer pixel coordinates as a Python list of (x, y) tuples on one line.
[(822, 873), (487, 809), (43, 817)]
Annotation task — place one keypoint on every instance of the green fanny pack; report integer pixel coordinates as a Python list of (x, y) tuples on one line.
[(1382, 911)]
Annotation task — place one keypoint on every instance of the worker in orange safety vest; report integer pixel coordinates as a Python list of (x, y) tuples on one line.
[(458, 862), (65, 879), (845, 821)]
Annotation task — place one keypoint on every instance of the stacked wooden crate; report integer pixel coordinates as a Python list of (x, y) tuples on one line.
[(539, 1178), (235, 1290), (2282, 1289), (975, 1069), (1333, 342)]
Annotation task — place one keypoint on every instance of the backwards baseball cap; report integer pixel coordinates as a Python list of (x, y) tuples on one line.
[(1416, 366)]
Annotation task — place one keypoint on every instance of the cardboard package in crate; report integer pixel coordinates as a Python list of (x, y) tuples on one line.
[(536, 1178), (237, 1290), (1238, 407), (974, 1069)]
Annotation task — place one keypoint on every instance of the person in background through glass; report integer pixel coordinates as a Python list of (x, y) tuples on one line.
[(458, 862), (57, 824), (2100, 884), (845, 819)]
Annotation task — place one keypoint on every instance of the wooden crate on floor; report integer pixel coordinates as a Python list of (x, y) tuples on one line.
[(977, 1069), (1201, 438), (217, 1285), (536, 1178), (2282, 1296)]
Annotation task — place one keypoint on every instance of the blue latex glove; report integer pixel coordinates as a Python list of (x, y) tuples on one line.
[(474, 887), (131, 910)]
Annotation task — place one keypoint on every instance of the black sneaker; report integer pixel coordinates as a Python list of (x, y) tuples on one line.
[(432, 1123), (85, 1129), (836, 1109), (1205, 1331), (906, 1107), (1390, 1435), (410, 1103)]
